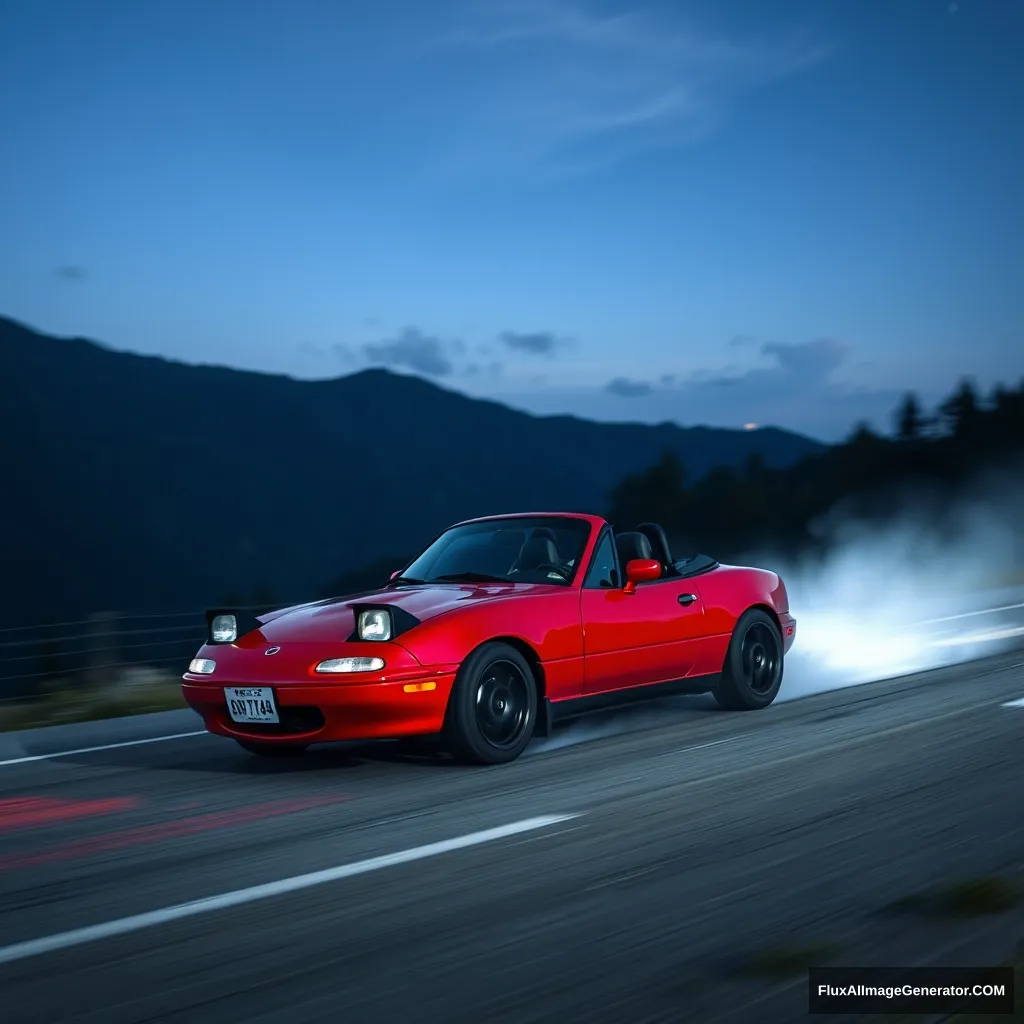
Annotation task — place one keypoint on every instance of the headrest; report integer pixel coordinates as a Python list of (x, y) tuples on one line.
[(659, 542), (537, 551), (632, 545)]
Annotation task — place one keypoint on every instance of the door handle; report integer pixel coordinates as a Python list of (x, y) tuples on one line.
[(686, 599)]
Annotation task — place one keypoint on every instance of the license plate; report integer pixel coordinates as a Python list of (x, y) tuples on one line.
[(251, 703)]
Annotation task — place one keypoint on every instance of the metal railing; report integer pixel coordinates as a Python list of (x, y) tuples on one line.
[(104, 650)]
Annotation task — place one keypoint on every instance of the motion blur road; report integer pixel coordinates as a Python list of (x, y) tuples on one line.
[(693, 838)]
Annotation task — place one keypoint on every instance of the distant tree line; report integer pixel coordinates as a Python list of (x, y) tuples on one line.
[(931, 458)]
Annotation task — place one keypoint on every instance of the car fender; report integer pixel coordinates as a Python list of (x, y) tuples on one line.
[(545, 627), (730, 590)]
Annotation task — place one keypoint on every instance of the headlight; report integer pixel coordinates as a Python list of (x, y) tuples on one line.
[(333, 665), (201, 666), (224, 629), (374, 625)]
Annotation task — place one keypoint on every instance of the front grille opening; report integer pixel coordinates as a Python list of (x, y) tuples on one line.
[(294, 719)]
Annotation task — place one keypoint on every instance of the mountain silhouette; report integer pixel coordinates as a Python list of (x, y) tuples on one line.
[(138, 483)]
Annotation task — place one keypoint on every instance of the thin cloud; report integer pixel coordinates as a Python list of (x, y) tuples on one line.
[(626, 388), (809, 362), (70, 273), (413, 350), (537, 343), (571, 90), (800, 386)]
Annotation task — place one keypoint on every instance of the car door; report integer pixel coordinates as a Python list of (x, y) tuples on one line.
[(652, 635)]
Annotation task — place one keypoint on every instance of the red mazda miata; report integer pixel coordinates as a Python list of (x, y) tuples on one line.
[(500, 628)]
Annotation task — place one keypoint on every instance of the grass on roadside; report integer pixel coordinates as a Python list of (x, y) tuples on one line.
[(88, 704), (973, 897), (786, 960)]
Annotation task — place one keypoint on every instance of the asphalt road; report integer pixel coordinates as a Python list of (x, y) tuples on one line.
[(683, 841)]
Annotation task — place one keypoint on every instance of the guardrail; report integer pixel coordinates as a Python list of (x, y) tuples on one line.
[(105, 665)]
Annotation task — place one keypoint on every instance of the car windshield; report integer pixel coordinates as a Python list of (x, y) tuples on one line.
[(534, 549)]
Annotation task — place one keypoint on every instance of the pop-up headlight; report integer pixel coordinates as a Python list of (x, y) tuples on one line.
[(228, 625), (224, 629), (374, 625)]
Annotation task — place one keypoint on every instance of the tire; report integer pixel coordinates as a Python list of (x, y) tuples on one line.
[(752, 673), (272, 749), (493, 706)]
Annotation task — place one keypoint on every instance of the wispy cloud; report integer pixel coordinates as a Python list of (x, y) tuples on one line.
[(413, 350), (536, 343), (626, 388), (566, 90), (803, 386), (70, 274)]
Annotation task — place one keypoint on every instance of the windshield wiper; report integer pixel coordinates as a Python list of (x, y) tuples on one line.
[(405, 579), (470, 577)]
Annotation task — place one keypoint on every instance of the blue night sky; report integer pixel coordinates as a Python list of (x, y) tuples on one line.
[(771, 211)]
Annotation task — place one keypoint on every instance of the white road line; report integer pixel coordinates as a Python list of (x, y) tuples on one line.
[(967, 615), (1014, 703), (966, 639), (105, 746), (124, 925)]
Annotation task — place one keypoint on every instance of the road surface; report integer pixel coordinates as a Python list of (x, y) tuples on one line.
[(625, 870)]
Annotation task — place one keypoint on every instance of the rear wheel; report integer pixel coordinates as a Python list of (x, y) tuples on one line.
[(272, 749), (493, 707), (752, 674)]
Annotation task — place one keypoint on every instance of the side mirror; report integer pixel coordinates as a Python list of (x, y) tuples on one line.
[(394, 574), (641, 570)]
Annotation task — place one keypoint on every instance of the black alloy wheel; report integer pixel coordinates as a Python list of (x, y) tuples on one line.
[(492, 710), (753, 669)]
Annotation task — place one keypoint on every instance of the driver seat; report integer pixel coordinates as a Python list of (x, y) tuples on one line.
[(537, 551)]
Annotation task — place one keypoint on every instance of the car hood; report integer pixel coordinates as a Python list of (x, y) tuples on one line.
[(335, 618)]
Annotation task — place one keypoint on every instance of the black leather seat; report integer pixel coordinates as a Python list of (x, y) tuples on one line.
[(659, 544), (543, 531), (632, 545), (537, 551)]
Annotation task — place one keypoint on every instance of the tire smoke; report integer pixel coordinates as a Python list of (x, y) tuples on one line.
[(936, 584)]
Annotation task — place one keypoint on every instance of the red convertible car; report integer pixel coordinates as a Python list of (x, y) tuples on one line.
[(500, 628)]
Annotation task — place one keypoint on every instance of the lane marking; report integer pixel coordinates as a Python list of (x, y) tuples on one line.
[(979, 638), (137, 922), (967, 615), (105, 746), (1014, 703)]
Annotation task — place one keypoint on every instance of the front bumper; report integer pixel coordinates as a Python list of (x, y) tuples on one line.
[(327, 712), (405, 698)]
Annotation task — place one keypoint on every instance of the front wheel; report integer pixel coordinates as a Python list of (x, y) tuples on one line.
[(493, 706), (752, 673), (272, 749)]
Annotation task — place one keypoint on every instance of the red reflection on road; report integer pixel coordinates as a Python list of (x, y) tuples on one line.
[(162, 831), (35, 811)]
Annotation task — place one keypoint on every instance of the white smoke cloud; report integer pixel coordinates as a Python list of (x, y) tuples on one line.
[(936, 585)]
